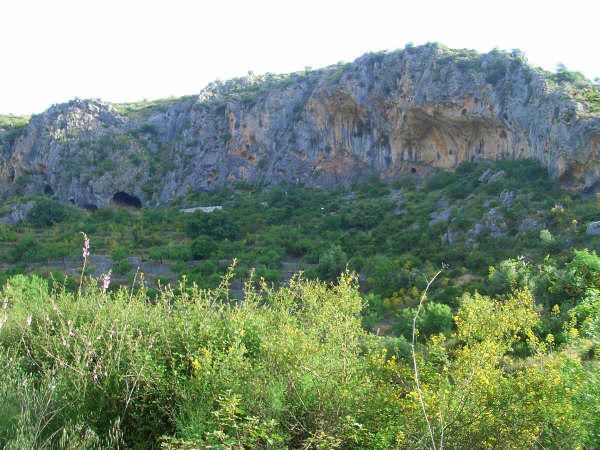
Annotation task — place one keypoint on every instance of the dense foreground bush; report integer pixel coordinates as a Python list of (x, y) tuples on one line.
[(286, 368)]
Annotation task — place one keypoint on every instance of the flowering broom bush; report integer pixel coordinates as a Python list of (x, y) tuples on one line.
[(281, 368)]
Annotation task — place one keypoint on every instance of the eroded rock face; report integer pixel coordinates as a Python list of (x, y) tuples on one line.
[(383, 114)]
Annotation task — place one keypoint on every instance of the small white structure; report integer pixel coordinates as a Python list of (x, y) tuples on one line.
[(206, 209)]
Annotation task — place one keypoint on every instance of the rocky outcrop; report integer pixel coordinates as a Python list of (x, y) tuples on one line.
[(17, 213), (440, 215), (490, 176), (507, 197), (593, 229), (383, 114), (493, 222)]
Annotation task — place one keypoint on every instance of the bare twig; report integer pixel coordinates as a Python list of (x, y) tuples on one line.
[(414, 358), (137, 271), (135, 381)]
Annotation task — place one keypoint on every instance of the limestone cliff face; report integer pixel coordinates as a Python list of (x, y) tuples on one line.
[(384, 113)]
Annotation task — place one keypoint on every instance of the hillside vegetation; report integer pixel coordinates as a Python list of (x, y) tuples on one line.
[(392, 234), (294, 368), (219, 348)]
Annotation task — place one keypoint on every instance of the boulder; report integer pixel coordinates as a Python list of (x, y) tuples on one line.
[(485, 176), (492, 222), (593, 229), (497, 176), (506, 196), (440, 216), (17, 214), (489, 176)]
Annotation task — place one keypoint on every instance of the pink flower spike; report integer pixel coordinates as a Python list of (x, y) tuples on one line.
[(86, 246), (105, 280)]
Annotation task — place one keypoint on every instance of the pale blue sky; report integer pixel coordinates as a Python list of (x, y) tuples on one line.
[(128, 50)]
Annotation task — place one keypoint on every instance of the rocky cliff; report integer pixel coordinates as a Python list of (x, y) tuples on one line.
[(383, 114)]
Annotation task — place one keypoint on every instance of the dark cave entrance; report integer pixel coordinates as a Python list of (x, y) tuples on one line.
[(124, 199), (48, 190)]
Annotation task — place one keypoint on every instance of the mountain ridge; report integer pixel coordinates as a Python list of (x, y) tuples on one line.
[(410, 110)]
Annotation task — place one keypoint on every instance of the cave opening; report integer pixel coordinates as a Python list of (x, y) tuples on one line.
[(48, 190), (413, 170), (124, 199)]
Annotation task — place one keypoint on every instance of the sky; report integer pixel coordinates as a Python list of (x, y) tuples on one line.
[(130, 50)]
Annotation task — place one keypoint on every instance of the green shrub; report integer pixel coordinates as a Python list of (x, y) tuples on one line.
[(179, 267), (217, 224), (374, 310), (289, 367), (121, 266), (27, 250), (364, 214), (267, 274), (170, 252), (270, 257), (332, 262), (434, 318), (203, 247), (47, 212), (440, 179), (120, 252), (206, 268)]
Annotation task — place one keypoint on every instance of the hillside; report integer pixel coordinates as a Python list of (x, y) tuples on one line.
[(188, 368), (391, 233), (395, 253), (383, 114)]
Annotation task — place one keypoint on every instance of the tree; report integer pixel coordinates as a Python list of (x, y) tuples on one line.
[(332, 262), (46, 212), (216, 224), (476, 397), (203, 247)]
